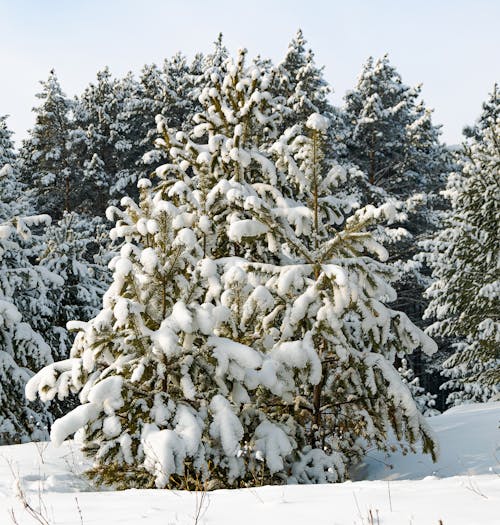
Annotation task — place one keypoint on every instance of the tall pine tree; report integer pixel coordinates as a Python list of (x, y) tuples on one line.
[(465, 258), (391, 137), (24, 307), (46, 166)]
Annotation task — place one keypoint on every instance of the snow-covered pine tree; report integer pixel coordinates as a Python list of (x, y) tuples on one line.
[(7, 153), (391, 137), (23, 307), (465, 258), (72, 250), (304, 89), (181, 101), (425, 401), (301, 83), (171, 92), (164, 395), (332, 293), (193, 318), (102, 142), (126, 138), (45, 164), (205, 65), (487, 119), (289, 214)]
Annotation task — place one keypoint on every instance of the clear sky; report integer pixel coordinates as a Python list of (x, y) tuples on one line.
[(451, 46)]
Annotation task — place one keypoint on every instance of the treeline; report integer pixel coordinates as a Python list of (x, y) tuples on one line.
[(247, 304)]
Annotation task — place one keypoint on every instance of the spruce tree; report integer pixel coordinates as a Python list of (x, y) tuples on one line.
[(465, 260), (45, 163)]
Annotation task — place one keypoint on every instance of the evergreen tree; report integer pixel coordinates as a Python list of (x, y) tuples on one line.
[(171, 92), (7, 154), (305, 91), (301, 83), (465, 260), (335, 291), (102, 143), (288, 220), (425, 401), (391, 137), (46, 166), (187, 329), (181, 101), (23, 308), (165, 396), (72, 248), (244, 338)]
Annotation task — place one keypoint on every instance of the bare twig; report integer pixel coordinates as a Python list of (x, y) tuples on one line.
[(389, 492), (202, 503), (79, 510), (41, 447)]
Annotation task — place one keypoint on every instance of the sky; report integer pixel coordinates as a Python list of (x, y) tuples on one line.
[(450, 46)]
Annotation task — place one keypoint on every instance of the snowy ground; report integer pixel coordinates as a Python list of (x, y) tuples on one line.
[(463, 488)]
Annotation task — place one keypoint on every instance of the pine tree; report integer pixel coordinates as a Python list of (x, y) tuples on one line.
[(165, 399), (465, 261), (391, 137), (301, 83), (187, 328), (72, 247), (425, 401), (7, 154), (101, 143), (244, 307), (45, 163), (304, 89), (23, 307), (334, 292), (171, 92), (289, 219)]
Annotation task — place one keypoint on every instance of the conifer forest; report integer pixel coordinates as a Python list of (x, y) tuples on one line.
[(213, 277)]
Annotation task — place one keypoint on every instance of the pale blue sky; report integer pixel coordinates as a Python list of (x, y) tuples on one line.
[(451, 46)]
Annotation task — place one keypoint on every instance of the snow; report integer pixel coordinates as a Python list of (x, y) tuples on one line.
[(73, 421), (470, 446), (165, 452), (233, 356), (317, 122), (462, 488), (246, 228)]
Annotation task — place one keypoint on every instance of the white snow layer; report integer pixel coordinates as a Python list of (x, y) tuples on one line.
[(317, 122), (462, 488)]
